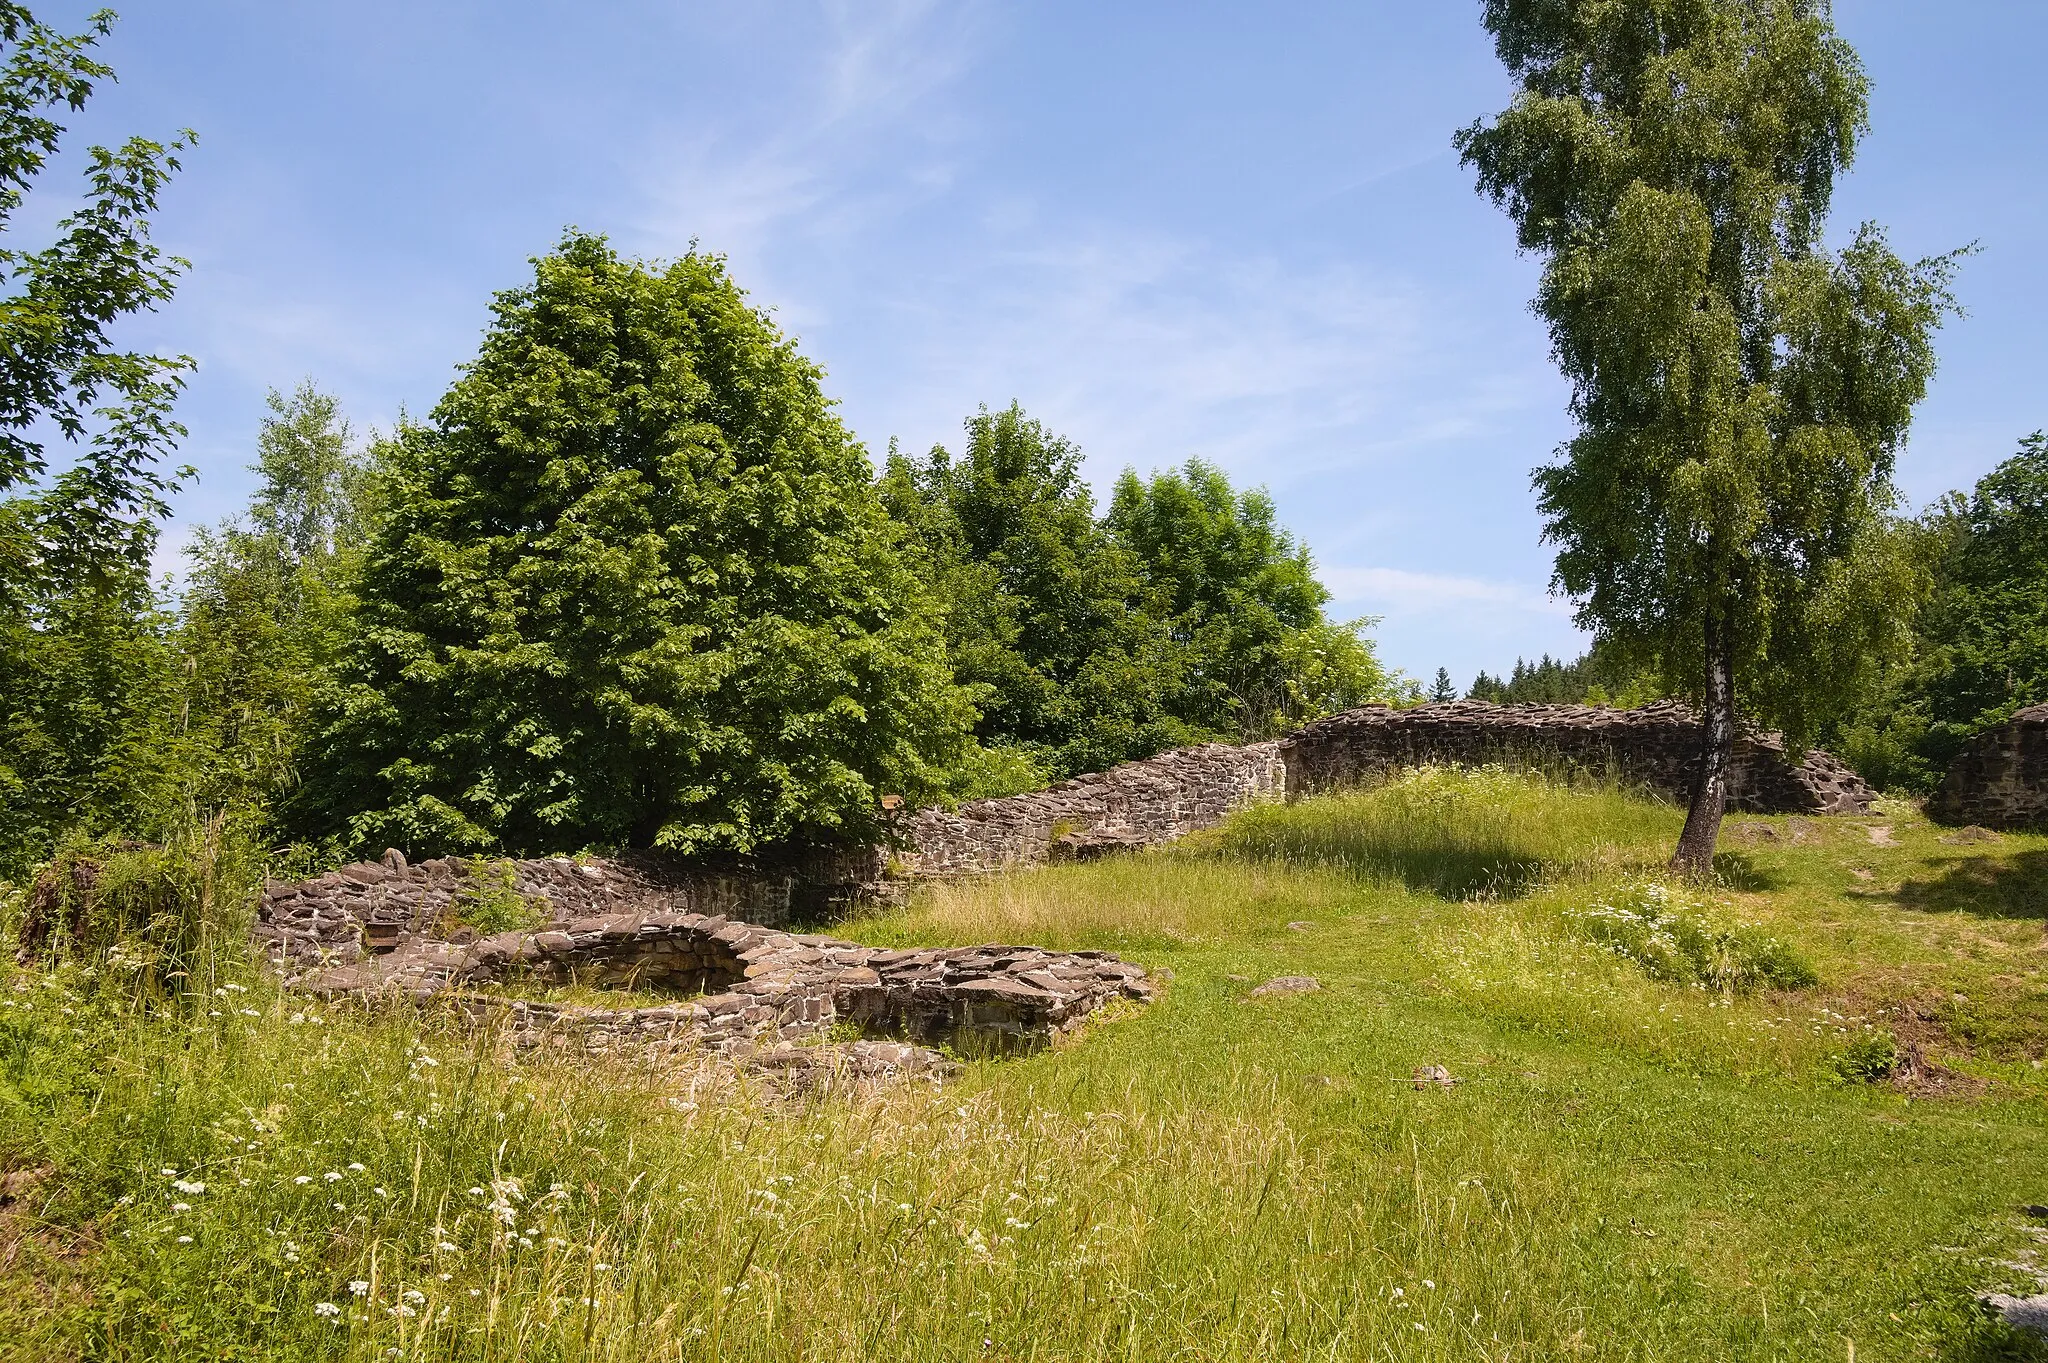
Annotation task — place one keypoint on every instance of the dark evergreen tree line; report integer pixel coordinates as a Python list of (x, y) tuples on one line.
[(1594, 678)]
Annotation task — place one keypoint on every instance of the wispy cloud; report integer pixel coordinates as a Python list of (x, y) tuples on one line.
[(856, 139), (1397, 588), (1150, 349)]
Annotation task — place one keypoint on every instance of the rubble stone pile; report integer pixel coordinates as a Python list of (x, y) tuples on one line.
[(2000, 780), (1656, 746)]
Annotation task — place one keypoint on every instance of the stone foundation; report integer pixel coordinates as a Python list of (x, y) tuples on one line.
[(713, 938), (765, 986), (373, 906), (1656, 746), (2000, 780)]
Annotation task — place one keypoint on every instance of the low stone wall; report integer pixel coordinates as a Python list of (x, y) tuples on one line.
[(1135, 805), (1656, 746), (770, 986), (374, 906), (2000, 780)]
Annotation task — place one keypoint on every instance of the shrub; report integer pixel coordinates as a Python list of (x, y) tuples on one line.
[(1870, 1058), (489, 901), (170, 910), (1669, 935)]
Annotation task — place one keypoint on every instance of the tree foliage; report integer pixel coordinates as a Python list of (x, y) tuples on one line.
[(632, 584), (1593, 678), (1981, 641), (1741, 390), (1241, 602), (1183, 613), (267, 601), (60, 369), (1038, 597), (87, 671)]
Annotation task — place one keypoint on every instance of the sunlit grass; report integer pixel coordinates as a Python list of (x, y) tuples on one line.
[(1460, 833), (1627, 1166)]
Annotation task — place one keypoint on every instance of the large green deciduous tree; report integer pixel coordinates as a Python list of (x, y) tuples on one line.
[(1183, 614), (1242, 604), (1043, 614), (632, 583), (1741, 390)]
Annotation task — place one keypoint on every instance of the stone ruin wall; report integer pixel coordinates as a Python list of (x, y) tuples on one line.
[(1137, 804), (1655, 746), (713, 937), (2000, 780), (376, 905), (738, 987)]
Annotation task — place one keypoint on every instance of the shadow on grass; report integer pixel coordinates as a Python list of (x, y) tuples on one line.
[(1990, 1341), (1458, 833), (2012, 887), (1738, 871)]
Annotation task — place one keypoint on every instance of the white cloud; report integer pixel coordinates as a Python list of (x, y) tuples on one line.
[(1399, 589), (1148, 349), (860, 137)]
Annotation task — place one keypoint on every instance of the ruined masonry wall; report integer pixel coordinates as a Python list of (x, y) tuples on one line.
[(1135, 805), (2001, 779), (1656, 746)]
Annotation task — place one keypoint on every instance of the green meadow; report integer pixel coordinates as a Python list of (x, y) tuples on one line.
[(1795, 1117)]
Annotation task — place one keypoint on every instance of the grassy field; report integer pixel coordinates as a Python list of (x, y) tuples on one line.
[(1670, 1135)]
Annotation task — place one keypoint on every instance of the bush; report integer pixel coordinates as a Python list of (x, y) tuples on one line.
[(169, 911), (1871, 1058), (1668, 934), (489, 901)]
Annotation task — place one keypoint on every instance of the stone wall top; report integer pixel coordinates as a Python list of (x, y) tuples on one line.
[(1137, 804), (1653, 745)]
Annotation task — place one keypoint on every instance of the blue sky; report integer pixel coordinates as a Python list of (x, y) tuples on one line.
[(1169, 229)]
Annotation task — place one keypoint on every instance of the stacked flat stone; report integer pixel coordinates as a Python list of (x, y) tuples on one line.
[(377, 905), (1657, 746), (1138, 804), (771, 986), (2000, 778)]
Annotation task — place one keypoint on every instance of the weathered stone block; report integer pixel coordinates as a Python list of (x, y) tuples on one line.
[(2000, 779)]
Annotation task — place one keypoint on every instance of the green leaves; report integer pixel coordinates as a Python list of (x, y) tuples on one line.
[(633, 584), (1741, 391), (1184, 613)]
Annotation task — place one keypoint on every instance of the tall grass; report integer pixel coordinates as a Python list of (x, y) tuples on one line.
[(252, 1176), (1457, 832), (172, 914), (311, 1185)]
